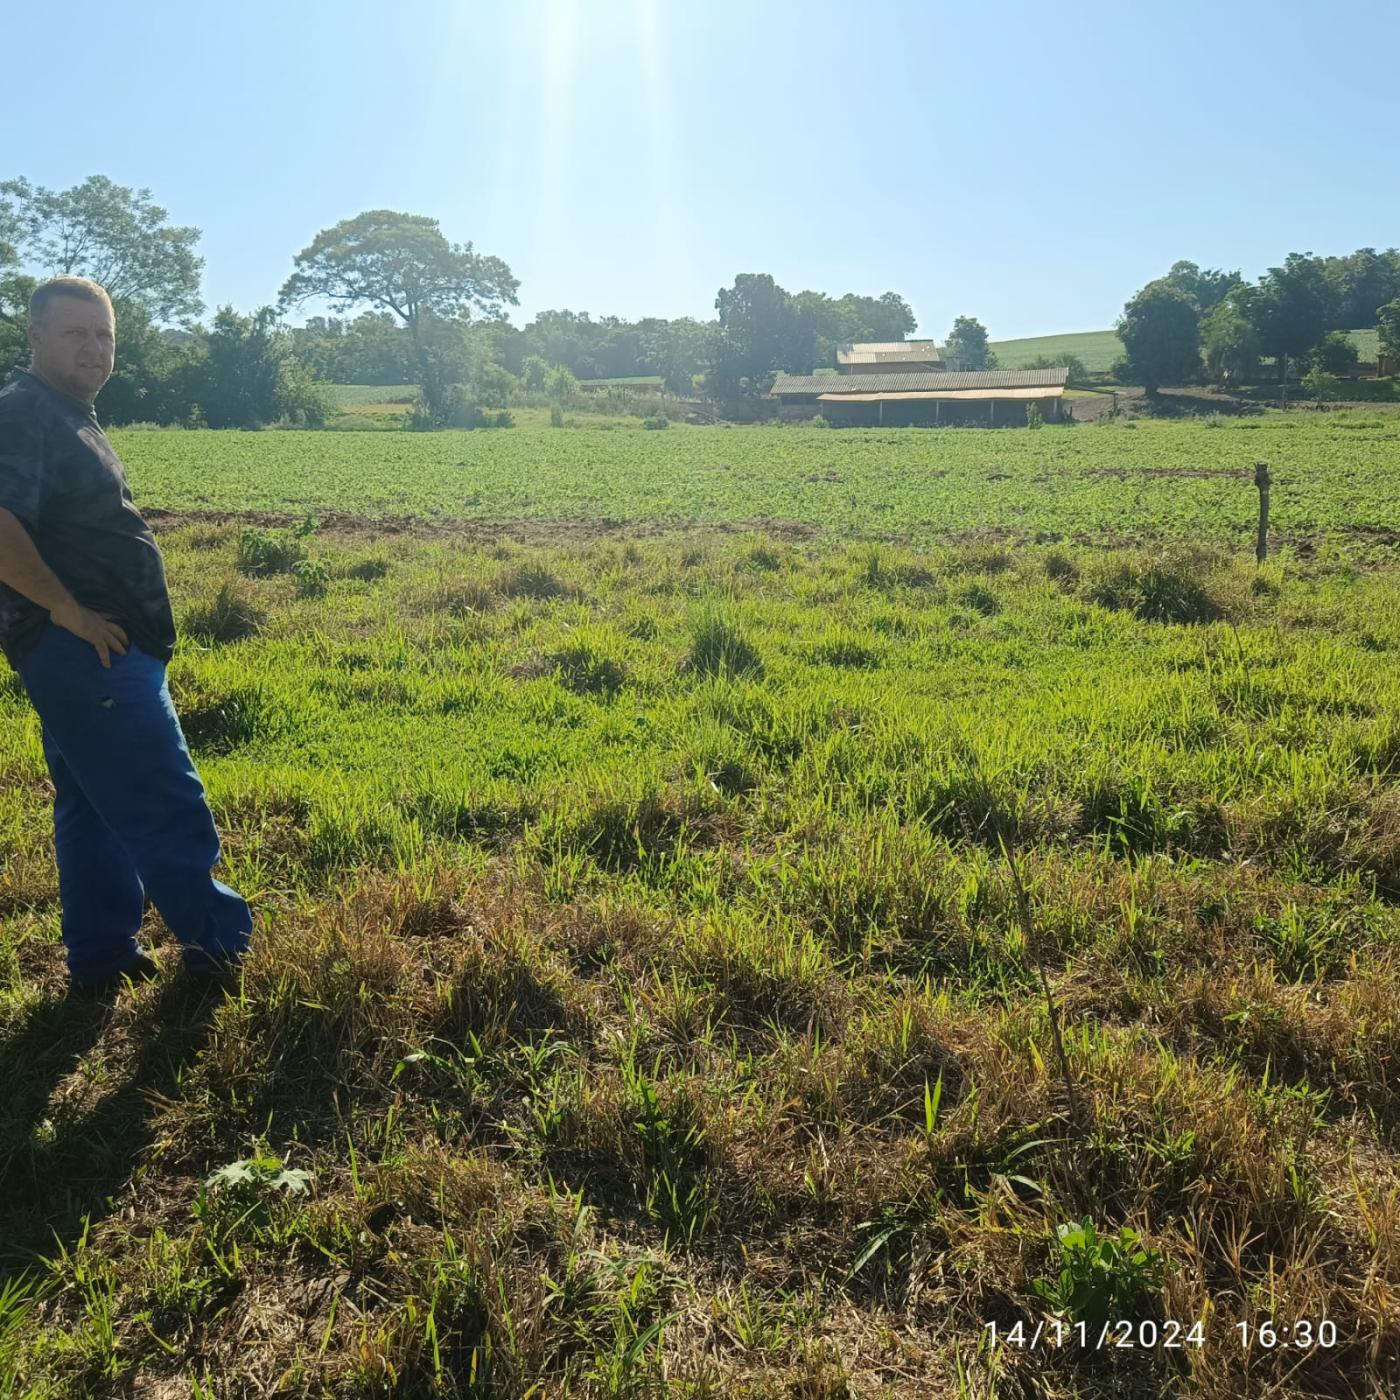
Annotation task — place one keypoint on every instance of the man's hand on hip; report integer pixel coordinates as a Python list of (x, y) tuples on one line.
[(104, 633)]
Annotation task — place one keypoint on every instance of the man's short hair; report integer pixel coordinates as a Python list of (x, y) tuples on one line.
[(83, 288)]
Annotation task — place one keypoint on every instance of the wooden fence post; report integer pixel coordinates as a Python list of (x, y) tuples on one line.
[(1263, 481)]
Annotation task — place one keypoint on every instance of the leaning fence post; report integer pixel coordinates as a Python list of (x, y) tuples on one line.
[(1263, 481)]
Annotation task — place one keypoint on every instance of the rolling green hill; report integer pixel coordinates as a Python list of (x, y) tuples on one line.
[(1098, 349)]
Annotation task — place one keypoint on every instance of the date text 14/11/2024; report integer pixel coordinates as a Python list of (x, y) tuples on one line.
[(1149, 1335)]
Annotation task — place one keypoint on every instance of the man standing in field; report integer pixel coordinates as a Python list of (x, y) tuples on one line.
[(85, 620)]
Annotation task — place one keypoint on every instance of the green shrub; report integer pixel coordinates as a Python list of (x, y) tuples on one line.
[(1077, 373), (263, 552), (660, 421), (1101, 1280), (312, 577), (1322, 387), (1334, 354)]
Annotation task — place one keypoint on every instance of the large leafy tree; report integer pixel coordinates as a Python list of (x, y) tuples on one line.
[(1362, 282), (402, 263), (245, 373), (1160, 330), (1388, 319), (566, 338), (108, 232), (1292, 307), (966, 347), (886, 317), (14, 294), (1207, 288), (838, 321), (374, 348), (760, 331), (1230, 343), (678, 350), (154, 378)]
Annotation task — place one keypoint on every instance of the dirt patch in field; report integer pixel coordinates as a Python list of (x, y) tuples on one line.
[(1123, 473), (333, 523), (1376, 534)]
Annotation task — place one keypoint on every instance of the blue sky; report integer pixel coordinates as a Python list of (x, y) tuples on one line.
[(1026, 163)]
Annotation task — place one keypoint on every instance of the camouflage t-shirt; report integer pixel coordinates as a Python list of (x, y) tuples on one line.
[(61, 479)]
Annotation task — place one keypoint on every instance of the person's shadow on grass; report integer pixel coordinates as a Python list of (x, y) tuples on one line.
[(61, 1166)]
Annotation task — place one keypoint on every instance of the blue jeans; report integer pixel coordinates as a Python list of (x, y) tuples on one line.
[(130, 817)]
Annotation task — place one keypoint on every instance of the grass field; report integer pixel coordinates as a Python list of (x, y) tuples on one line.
[(1097, 350), (360, 395), (1367, 344), (644, 1001)]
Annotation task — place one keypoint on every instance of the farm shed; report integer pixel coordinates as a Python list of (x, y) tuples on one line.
[(982, 398), (888, 356)]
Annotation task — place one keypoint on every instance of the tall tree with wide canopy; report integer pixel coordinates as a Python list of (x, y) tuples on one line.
[(1388, 321), (1363, 282), (108, 232), (1230, 342), (839, 321), (966, 347), (1161, 330), (403, 263), (1206, 288), (14, 292), (1292, 307), (760, 331)]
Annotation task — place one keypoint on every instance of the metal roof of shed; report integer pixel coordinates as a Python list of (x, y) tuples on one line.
[(936, 380), (956, 396), (874, 352)]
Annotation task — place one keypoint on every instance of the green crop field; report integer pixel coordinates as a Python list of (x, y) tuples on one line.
[(1335, 473), (663, 847)]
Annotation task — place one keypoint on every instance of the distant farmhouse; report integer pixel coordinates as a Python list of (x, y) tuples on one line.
[(899, 383), (881, 356)]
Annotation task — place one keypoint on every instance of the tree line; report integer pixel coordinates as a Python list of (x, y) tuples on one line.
[(1195, 322), (408, 307)]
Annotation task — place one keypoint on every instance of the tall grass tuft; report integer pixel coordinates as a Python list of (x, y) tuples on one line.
[(718, 648), (229, 615), (1166, 587)]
